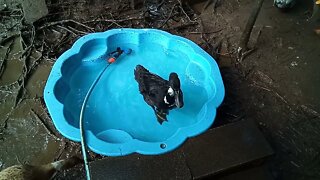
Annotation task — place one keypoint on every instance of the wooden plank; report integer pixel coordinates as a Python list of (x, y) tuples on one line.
[(220, 150), (225, 148)]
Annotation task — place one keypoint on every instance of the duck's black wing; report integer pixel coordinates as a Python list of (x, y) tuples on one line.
[(148, 81)]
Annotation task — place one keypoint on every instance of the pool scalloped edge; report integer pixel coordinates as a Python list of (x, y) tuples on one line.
[(55, 108)]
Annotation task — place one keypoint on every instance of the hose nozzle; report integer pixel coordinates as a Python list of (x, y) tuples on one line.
[(116, 54), (127, 51)]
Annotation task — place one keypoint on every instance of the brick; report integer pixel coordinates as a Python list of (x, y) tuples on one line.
[(249, 173), (167, 166), (226, 147), (34, 10)]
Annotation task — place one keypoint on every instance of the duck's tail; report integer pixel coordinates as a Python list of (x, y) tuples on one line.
[(161, 118), (140, 71)]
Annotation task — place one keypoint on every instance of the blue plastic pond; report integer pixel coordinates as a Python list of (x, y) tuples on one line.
[(117, 120)]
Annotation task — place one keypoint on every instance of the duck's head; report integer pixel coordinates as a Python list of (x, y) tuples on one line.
[(175, 90)]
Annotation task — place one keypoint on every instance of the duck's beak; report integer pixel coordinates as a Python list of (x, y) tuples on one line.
[(178, 97)]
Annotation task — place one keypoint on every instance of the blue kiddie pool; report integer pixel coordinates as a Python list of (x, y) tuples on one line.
[(117, 120)]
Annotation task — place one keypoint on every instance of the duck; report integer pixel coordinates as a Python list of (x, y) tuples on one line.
[(160, 94), (42, 172)]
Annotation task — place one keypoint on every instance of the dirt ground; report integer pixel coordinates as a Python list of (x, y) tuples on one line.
[(277, 85)]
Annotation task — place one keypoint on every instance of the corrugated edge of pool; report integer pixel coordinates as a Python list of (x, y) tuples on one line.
[(55, 108)]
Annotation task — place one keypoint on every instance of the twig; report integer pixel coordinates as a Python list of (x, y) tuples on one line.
[(209, 32), (248, 52), (215, 3), (36, 62), (66, 29), (21, 89), (295, 164), (19, 95), (205, 40), (227, 54), (63, 40), (65, 21), (28, 49), (45, 125), (184, 12), (170, 14), (114, 20), (6, 39), (22, 81), (5, 123), (258, 36), (206, 5), (64, 146), (201, 28), (4, 126), (4, 60), (245, 54), (314, 17), (269, 90), (277, 94), (77, 31), (216, 48), (18, 160), (310, 111), (242, 55), (7, 86), (4, 91), (181, 26), (243, 44)]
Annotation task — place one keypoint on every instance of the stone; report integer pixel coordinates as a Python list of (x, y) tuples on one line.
[(249, 173), (34, 10)]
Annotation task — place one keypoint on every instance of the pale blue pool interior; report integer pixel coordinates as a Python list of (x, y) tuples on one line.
[(116, 112)]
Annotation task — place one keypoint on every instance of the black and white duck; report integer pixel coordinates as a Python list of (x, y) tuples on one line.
[(162, 95)]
